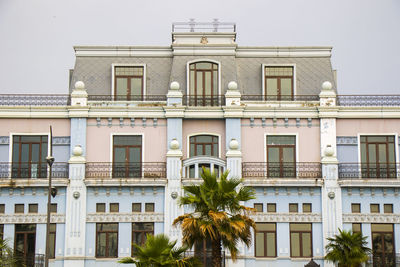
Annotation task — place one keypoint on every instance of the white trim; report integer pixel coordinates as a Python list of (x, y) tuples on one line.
[(125, 134), (278, 65), (396, 144), (113, 65), (202, 60), (282, 134), (202, 133), (10, 156)]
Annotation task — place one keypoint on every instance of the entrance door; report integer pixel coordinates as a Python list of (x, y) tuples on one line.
[(383, 245), (127, 156), (281, 156), (25, 239)]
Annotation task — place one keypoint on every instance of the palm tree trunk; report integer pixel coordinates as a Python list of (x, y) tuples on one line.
[(216, 252)]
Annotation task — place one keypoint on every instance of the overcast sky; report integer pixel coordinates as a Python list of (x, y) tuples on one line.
[(37, 36)]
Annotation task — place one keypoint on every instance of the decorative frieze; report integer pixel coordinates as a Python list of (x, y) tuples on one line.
[(61, 140), (124, 217), (30, 218), (370, 218), (4, 140), (346, 140), (287, 217)]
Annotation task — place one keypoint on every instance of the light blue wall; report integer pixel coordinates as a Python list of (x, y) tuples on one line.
[(78, 134), (60, 153), (232, 130), (347, 153), (366, 199), (4, 153), (174, 130)]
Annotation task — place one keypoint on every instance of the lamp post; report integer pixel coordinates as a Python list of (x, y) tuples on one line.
[(50, 161)]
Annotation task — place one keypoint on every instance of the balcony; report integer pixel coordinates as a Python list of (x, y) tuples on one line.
[(34, 100), (279, 170), (21, 170), (203, 101), (369, 171), (110, 170), (192, 167)]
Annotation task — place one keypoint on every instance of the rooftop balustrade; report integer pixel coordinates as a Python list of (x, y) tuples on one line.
[(368, 100), (281, 170), (34, 100), (369, 170), (110, 170), (194, 26), (32, 170), (145, 98)]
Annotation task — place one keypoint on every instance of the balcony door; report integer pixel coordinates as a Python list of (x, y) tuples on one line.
[(383, 251), (378, 157), (281, 156), (127, 156), (29, 156), (25, 240), (203, 78)]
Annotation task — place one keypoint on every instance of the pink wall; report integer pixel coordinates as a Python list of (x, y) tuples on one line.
[(99, 140), (190, 127), (253, 140), (61, 127), (352, 127)]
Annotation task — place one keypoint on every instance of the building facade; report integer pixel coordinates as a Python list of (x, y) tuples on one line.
[(140, 122)]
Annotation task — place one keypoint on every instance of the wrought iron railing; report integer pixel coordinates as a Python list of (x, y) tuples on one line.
[(281, 170), (34, 100), (33, 170), (205, 257), (148, 98), (193, 26), (388, 260), (280, 98), (368, 100), (107, 170), (207, 100), (369, 170)]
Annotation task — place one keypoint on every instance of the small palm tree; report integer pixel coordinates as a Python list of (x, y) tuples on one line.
[(348, 249), (7, 256), (218, 214), (159, 251)]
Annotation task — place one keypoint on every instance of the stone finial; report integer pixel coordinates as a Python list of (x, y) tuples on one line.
[(233, 144), (174, 144), (77, 151), (79, 85), (329, 151), (232, 85), (326, 86), (174, 86)]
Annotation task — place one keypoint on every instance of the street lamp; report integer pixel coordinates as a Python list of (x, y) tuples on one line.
[(51, 192)]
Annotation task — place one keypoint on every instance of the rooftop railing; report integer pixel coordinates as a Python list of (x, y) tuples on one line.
[(31, 170), (127, 98), (194, 26), (205, 101), (109, 170), (369, 171), (368, 100), (34, 100), (280, 98), (281, 170)]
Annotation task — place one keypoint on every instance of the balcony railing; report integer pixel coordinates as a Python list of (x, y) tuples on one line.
[(33, 170), (369, 171), (208, 100), (205, 257), (281, 170), (192, 167), (368, 100), (108, 170), (280, 98), (34, 100), (194, 26), (146, 98)]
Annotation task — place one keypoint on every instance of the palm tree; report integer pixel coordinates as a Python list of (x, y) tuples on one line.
[(348, 249), (7, 256), (218, 214), (159, 251)]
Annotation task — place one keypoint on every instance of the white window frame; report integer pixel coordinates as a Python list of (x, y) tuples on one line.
[(278, 65), (198, 61), (127, 65)]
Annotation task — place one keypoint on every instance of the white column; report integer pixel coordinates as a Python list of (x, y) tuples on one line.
[(331, 196), (173, 191), (75, 221)]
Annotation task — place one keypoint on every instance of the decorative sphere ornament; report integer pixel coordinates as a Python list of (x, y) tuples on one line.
[(79, 85), (327, 85), (233, 144), (174, 86), (174, 195), (77, 151), (329, 151), (174, 144), (76, 194), (232, 85), (331, 195)]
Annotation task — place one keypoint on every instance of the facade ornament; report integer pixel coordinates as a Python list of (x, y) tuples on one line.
[(174, 144), (329, 151), (204, 40), (174, 195), (331, 195), (233, 144), (76, 194)]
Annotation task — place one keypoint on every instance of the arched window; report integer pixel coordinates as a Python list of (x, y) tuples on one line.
[(204, 145), (203, 83)]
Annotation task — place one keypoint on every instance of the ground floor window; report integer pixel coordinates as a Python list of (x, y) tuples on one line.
[(140, 232), (383, 245), (265, 240), (52, 241), (25, 240), (107, 240), (301, 240)]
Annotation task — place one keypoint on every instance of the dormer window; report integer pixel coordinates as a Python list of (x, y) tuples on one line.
[(279, 82), (203, 84), (128, 83)]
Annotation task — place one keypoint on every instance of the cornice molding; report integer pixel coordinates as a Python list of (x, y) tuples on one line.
[(288, 217), (30, 218), (124, 217), (371, 218)]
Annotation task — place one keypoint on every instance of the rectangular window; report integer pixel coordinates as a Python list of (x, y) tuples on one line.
[(356, 227), (204, 145), (127, 156), (25, 241), (149, 207), (19, 208), (128, 83), (293, 207), (52, 241), (265, 240), (33, 208), (100, 207), (307, 208), (271, 207), (53, 208), (378, 156), (258, 207), (136, 207), (114, 207), (374, 208), (139, 232), (203, 84), (278, 83), (388, 208), (107, 240), (301, 240), (29, 156), (383, 246), (281, 156), (2, 208), (355, 208), (1, 231)]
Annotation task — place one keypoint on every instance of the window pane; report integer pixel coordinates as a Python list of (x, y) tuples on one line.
[(19, 208), (199, 83), (374, 208), (372, 153), (382, 153), (293, 207), (207, 83), (136, 207), (300, 227), (215, 83), (273, 154), (356, 227), (306, 240), (260, 244), (272, 87), (355, 208), (121, 87), (363, 153), (100, 207), (192, 88), (271, 207), (113, 244), (2, 208), (204, 139), (215, 150), (258, 207), (149, 207), (266, 227), (207, 150), (286, 88), (295, 244), (203, 65), (53, 208), (307, 207), (288, 154), (114, 207), (271, 250), (101, 245), (376, 227), (33, 208), (132, 140), (388, 208), (136, 87)]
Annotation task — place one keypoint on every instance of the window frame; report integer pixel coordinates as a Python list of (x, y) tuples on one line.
[(107, 240), (265, 241), (206, 60), (146, 232), (113, 80), (112, 135), (199, 134), (263, 79), (301, 252)]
